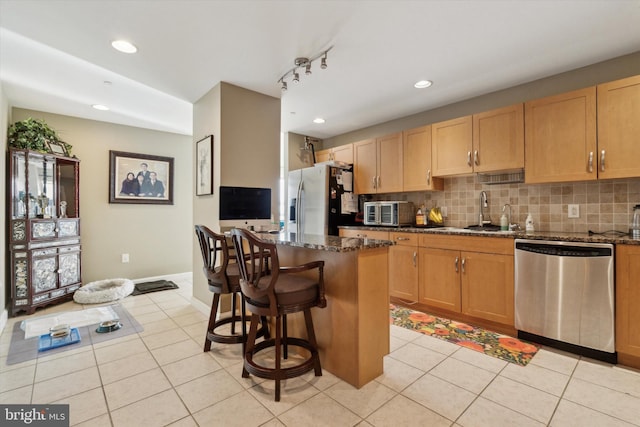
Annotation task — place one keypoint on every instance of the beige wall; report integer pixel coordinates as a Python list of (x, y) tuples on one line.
[(246, 130), (156, 237), (4, 123)]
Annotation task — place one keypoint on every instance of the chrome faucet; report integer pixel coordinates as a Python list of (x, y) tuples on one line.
[(484, 204)]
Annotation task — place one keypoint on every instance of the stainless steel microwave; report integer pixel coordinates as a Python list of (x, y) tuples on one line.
[(391, 214)]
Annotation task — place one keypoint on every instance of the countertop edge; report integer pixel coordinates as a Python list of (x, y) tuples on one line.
[(537, 235)]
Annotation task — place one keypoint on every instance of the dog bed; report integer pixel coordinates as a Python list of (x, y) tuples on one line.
[(103, 291)]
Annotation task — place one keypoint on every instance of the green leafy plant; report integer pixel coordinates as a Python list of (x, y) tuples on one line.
[(33, 134)]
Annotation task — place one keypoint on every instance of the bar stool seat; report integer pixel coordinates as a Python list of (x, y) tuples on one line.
[(277, 292)]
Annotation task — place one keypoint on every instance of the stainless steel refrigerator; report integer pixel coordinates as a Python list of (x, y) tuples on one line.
[(320, 199)]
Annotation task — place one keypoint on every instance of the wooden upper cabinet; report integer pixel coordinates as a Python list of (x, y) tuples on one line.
[(619, 128), (498, 139), (390, 163), (560, 138), (378, 165), (365, 168), (323, 155), (452, 147), (416, 167), (342, 153)]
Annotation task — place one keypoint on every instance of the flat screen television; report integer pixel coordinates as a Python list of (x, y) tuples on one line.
[(245, 206)]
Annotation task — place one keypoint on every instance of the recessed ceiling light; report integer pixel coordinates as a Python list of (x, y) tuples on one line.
[(423, 84), (100, 107), (124, 46), (318, 120)]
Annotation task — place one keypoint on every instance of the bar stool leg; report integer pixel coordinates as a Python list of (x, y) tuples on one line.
[(212, 321), (311, 335), (278, 355)]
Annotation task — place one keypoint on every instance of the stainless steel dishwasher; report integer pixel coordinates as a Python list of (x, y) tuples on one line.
[(564, 296)]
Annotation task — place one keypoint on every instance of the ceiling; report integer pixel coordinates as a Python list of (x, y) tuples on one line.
[(55, 56)]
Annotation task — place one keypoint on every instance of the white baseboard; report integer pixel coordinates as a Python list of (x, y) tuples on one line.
[(4, 317)]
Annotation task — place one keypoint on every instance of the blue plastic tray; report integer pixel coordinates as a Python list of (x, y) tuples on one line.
[(46, 342)]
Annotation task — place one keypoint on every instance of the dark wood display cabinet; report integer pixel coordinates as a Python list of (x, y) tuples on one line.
[(43, 229)]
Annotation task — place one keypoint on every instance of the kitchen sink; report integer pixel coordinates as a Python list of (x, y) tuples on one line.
[(486, 227)]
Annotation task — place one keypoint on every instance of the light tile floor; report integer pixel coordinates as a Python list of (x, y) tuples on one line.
[(161, 377)]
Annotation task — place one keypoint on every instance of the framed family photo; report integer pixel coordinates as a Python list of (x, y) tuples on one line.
[(204, 166), (140, 178)]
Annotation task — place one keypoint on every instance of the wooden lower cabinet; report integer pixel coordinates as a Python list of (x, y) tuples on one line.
[(403, 266), (477, 283), (628, 303)]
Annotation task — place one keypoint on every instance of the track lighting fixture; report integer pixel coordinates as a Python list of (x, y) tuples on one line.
[(300, 63)]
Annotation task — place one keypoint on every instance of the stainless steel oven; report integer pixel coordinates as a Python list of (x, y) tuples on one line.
[(564, 293)]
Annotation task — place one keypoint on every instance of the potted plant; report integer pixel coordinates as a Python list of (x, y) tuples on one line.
[(33, 134)]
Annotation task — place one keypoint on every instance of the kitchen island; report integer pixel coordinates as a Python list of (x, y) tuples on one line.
[(353, 329)]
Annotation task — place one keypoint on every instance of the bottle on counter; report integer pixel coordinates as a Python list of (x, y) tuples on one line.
[(529, 224), (420, 217), (504, 223)]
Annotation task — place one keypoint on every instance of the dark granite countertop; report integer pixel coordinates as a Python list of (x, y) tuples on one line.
[(538, 235), (324, 243)]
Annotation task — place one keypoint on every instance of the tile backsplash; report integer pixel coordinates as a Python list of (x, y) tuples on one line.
[(603, 205)]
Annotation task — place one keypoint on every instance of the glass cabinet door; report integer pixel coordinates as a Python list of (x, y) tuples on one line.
[(20, 200), (41, 174)]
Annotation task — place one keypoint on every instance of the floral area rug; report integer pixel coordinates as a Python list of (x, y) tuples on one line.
[(491, 343)]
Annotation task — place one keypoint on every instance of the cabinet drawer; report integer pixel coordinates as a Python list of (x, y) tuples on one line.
[(492, 245), (404, 239)]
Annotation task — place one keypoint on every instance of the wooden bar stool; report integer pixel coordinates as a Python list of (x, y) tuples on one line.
[(276, 292), (223, 279)]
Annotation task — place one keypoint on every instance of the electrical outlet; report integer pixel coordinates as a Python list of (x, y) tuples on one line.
[(443, 211), (125, 258), (574, 211)]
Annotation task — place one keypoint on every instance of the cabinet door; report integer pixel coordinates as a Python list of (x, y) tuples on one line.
[(403, 266), (390, 163), (487, 286), (452, 147), (365, 166), (323, 155), (498, 139), (628, 299), (343, 153), (619, 128), (416, 165), (560, 138), (439, 278)]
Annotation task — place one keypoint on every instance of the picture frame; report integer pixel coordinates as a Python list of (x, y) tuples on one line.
[(155, 187), (204, 166), (57, 148)]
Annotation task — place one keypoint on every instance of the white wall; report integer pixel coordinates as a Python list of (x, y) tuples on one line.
[(4, 120), (156, 237)]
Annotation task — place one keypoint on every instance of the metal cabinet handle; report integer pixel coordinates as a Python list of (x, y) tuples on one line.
[(590, 164), (602, 160), (57, 230), (400, 239), (469, 158), (464, 261), (378, 183), (476, 158), (429, 177), (414, 258), (373, 181), (456, 264)]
